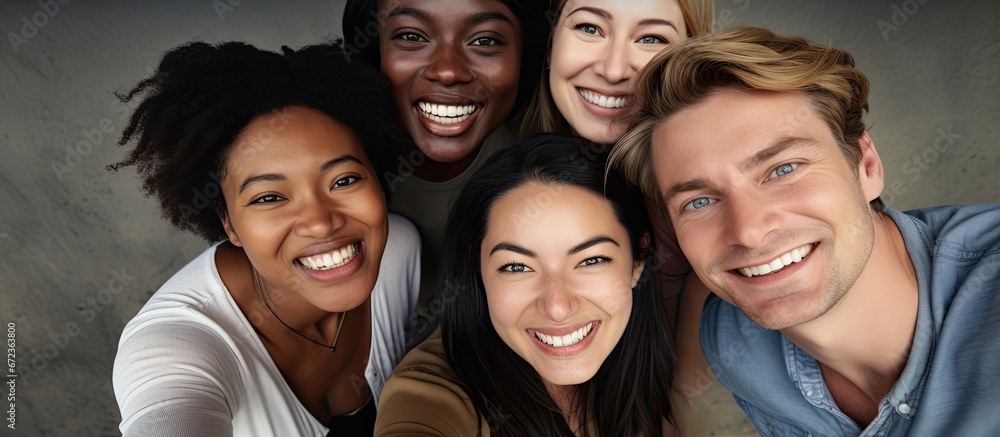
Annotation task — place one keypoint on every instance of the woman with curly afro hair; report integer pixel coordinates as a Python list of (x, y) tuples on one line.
[(290, 322)]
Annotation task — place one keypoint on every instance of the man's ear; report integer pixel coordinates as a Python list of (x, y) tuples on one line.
[(870, 172), (228, 226)]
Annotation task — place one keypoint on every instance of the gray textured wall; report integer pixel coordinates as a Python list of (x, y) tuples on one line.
[(82, 249)]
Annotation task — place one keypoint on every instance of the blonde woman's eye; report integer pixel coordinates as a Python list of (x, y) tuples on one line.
[(650, 39), (589, 29)]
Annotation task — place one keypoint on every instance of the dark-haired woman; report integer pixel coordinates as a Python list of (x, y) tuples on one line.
[(458, 70), (547, 328), (290, 324)]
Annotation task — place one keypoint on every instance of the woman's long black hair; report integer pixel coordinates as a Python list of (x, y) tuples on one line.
[(629, 395)]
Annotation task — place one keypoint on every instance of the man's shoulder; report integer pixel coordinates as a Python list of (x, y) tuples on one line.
[(955, 230), (740, 352)]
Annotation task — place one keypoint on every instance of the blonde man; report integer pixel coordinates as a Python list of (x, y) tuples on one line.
[(832, 314)]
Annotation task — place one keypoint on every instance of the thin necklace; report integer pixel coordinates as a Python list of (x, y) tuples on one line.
[(343, 315)]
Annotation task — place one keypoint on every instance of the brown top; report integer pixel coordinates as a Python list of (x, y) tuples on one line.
[(423, 397)]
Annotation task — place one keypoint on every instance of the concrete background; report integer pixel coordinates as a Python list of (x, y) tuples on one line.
[(82, 249)]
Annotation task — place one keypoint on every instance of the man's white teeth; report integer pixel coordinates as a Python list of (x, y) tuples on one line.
[(604, 101), (779, 263), (565, 340), (446, 114), (333, 259)]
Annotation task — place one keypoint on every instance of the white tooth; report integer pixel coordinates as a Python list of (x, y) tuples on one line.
[(746, 272), (618, 102), (786, 258), (337, 258), (796, 256), (557, 341), (344, 254), (776, 265), (755, 271), (327, 259), (805, 250), (764, 269), (575, 338), (603, 101), (314, 263), (452, 111)]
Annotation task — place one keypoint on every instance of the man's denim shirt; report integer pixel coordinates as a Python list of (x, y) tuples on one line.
[(951, 383)]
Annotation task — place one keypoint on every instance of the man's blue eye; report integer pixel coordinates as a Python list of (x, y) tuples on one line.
[(700, 203), (783, 170)]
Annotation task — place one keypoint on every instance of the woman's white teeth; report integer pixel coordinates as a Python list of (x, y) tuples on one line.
[(604, 101), (333, 259), (779, 263), (565, 340), (446, 114)]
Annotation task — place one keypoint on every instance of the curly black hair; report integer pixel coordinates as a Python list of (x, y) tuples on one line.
[(202, 96)]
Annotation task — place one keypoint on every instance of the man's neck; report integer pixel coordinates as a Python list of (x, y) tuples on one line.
[(866, 337)]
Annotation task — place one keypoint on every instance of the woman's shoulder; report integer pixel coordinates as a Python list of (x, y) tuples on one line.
[(423, 396)]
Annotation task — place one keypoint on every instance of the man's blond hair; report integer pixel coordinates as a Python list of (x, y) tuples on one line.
[(686, 74)]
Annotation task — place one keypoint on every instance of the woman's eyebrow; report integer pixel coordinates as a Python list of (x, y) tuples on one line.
[(592, 242), (487, 16), (512, 248), (596, 11)]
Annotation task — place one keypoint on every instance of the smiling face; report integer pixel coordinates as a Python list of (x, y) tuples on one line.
[(766, 207), (597, 47), (559, 284), (453, 67), (304, 203)]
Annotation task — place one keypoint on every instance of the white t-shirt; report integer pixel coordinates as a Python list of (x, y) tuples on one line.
[(190, 363)]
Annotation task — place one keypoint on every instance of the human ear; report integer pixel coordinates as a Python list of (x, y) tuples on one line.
[(870, 172), (637, 269), (640, 263), (228, 226)]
